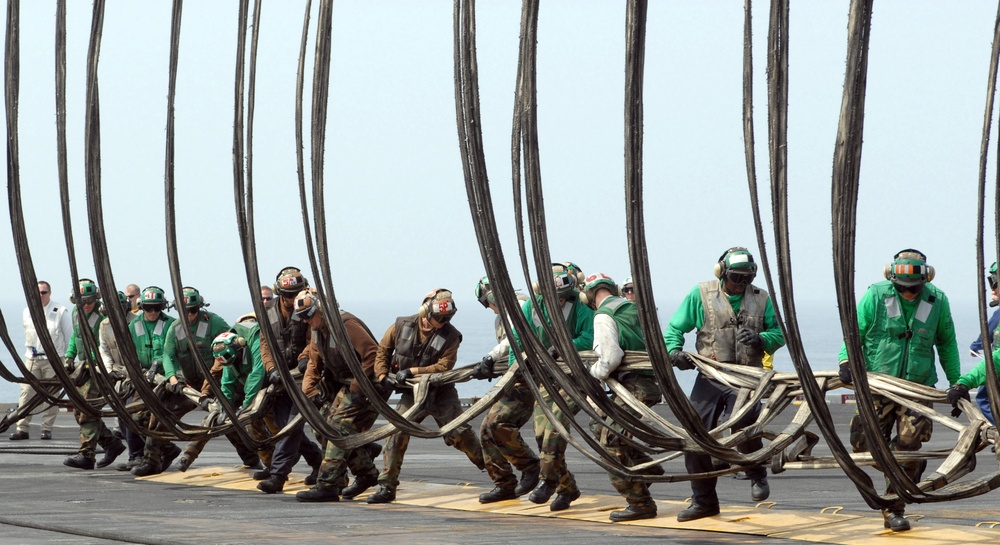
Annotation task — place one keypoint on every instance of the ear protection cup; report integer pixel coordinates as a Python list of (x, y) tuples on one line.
[(426, 307)]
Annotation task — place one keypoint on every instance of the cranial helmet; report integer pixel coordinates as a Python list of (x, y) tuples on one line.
[(593, 283), (627, 283), (909, 268), (290, 282), (226, 347), (192, 298), (306, 304), (992, 278), (87, 292), (152, 298), (124, 303), (565, 285), (484, 292), (439, 305), (736, 265)]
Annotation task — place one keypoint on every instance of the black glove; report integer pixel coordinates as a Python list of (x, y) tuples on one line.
[(957, 392), (484, 369), (384, 386), (177, 387), (681, 361), (204, 402), (70, 365), (116, 376), (553, 351), (274, 376), (150, 375), (749, 337), (317, 400), (303, 363), (402, 376), (845, 372)]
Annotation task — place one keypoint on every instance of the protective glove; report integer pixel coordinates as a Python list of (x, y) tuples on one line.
[(303, 363), (116, 376), (600, 370), (70, 365), (317, 400), (955, 393), (150, 375), (553, 351), (384, 386), (484, 369), (681, 361), (225, 418), (845, 372), (204, 402), (274, 376), (749, 337), (177, 387), (402, 376)]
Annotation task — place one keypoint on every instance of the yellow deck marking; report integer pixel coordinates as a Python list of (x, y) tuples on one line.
[(845, 529)]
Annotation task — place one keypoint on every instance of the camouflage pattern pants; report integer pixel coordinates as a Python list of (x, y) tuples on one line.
[(259, 430), (644, 388), (93, 431), (349, 413), (443, 405), (154, 447), (552, 453), (501, 437), (912, 430)]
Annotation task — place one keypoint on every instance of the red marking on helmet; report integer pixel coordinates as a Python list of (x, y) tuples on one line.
[(442, 307), (289, 282)]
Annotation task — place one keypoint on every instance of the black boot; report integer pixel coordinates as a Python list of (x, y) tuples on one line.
[(262, 474), (563, 500), (634, 512), (374, 449), (111, 454), (499, 493), (544, 491), (318, 493), (80, 461), (145, 468), (170, 453), (272, 484), (360, 484), (895, 521), (528, 482), (385, 494), (183, 464)]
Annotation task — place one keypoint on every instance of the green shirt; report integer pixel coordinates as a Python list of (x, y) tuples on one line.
[(241, 381), (691, 315)]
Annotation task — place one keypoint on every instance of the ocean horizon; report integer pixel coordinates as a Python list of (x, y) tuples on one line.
[(818, 323)]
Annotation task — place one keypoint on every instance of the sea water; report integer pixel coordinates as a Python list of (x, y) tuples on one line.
[(818, 322)]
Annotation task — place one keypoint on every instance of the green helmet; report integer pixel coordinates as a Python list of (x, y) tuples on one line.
[(992, 278), (152, 298), (88, 292), (484, 292), (227, 347), (909, 268), (736, 265), (565, 285), (124, 303), (192, 298), (593, 283)]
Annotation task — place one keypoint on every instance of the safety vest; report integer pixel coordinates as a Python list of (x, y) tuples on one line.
[(716, 338), (94, 320), (626, 317), (335, 369), (149, 347), (292, 334), (204, 328), (898, 347), (410, 353)]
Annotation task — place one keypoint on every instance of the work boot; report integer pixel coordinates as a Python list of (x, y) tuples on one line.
[(563, 499), (385, 494), (318, 493), (128, 466), (19, 436), (895, 521), (634, 512), (80, 461), (311, 478), (183, 464), (498, 493), (262, 474), (544, 491), (529, 480), (111, 454), (145, 468), (360, 484), (697, 511), (272, 484), (759, 489), (46, 435), (170, 453)]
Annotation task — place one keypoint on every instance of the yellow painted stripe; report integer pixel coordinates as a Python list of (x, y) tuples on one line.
[(845, 529)]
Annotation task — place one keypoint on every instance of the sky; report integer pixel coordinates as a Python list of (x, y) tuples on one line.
[(398, 216)]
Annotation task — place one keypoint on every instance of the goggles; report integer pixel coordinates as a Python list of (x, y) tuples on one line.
[(917, 288), (628, 289), (740, 279), (992, 279)]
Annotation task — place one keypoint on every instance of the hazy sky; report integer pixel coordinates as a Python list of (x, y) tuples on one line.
[(398, 214)]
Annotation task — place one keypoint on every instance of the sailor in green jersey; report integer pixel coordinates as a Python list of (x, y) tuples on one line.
[(902, 320), (736, 324), (149, 334), (93, 431), (976, 378)]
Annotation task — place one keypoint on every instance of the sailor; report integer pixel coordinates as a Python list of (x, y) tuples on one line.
[(736, 324), (628, 289), (111, 358), (976, 348), (902, 320)]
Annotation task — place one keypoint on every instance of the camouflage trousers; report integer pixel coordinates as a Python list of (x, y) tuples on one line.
[(349, 413), (258, 430), (154, 447), (501, 437), (443, 405), (552, 447), (93, 431), (912, 430), (644, 388)]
